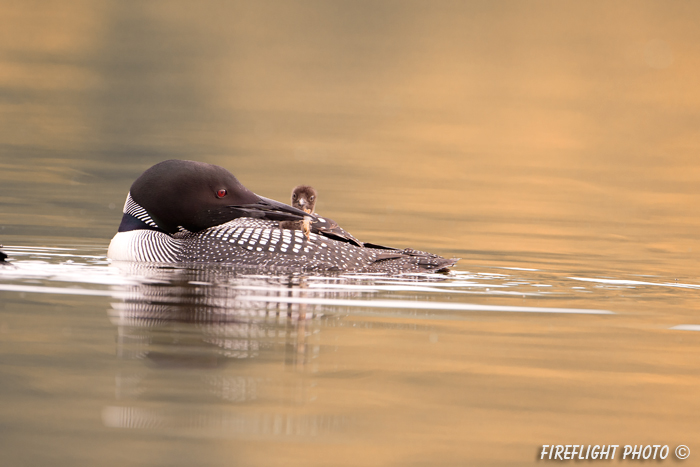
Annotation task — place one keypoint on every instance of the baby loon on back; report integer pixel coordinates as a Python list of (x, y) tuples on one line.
[(304, 198), (185, 212)]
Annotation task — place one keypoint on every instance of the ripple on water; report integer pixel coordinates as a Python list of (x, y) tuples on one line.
[(70, 271)]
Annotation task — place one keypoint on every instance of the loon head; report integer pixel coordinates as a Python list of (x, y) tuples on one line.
[(196, 196), (304, 198)]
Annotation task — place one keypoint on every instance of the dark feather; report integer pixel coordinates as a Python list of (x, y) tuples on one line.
[(330, 228)]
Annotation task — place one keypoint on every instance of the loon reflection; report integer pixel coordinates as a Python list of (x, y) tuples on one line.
[(221, 353), (196, 324), (218, 304)]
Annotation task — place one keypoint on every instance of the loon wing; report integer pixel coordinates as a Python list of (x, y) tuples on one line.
[(399, 259), (330, 228), (387, 257)]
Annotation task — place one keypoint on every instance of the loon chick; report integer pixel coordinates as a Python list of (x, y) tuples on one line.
[(304, 198), (192, 212)]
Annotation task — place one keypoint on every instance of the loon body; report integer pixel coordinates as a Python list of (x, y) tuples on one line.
[(192, 212)]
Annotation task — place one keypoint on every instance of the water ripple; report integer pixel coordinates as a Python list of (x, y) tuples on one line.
[(69, 271)]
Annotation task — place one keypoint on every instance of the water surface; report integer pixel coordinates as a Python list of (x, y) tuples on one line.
[(550, 146)]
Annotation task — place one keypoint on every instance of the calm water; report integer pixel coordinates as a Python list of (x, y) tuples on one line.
[(551, 146)]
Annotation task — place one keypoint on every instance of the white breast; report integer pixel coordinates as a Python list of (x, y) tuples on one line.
[(144, 245)]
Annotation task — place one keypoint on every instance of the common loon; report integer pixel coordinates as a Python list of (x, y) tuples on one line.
[(3, 256), (193, 212), (304, 198)]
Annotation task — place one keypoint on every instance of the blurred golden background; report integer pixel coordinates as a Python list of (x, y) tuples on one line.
[(561, 136), (507, 127)]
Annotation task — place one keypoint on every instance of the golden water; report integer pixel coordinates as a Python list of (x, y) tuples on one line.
[(550, 145)]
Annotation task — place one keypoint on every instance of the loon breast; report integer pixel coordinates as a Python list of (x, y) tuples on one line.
[(145, 245)]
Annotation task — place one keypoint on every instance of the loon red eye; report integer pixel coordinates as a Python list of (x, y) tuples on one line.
[(221, 193)]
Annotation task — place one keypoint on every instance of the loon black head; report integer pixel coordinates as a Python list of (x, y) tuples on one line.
[(304, 198), (196, 196)]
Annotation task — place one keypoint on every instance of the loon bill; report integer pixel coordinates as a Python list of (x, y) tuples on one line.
[(185, 212)]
